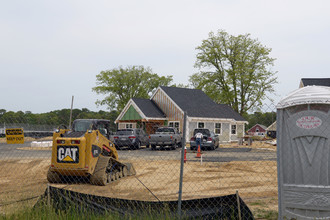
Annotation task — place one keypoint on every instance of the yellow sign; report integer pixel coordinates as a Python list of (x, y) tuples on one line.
[(15, 136)]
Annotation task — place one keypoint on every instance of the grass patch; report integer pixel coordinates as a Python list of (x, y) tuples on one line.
[(44, 211), (265, 214), (47, 212), (51, 214), (264, 209)]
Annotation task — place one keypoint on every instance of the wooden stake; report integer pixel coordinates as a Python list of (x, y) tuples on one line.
[(238, 206), (48, 195)]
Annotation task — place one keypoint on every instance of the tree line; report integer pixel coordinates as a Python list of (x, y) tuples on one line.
[(56, 118), (62, 117)]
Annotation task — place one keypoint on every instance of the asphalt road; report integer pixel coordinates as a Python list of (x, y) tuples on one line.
[(16, 151), (12, 151)]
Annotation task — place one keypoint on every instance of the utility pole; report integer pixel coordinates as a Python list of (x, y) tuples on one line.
[(71, 113)]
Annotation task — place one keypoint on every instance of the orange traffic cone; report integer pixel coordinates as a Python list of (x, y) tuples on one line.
[(185, 154), (199, 154)]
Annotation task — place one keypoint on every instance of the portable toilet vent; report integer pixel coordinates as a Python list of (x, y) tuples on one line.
[(303, 154)]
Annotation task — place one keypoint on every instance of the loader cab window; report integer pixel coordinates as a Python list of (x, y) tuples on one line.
[(82, 125), (102, 128)]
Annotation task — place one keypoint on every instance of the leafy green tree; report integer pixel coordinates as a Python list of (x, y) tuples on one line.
[(180, 85), (29, 118), (121, 84), (11, 117), (2, 112), (234, 70)]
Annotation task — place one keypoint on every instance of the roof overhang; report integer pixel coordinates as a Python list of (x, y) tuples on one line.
[(156, 119)]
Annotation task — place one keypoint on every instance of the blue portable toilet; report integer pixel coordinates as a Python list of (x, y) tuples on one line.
[(303, 154)]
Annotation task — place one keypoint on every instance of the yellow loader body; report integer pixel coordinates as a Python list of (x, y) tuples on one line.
[(86, 154)]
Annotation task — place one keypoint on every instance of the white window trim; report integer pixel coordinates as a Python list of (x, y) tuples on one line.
[(231, 129), (217, 128), (122, 125), (132, 124), (128, 125), (200, 122), (174, 124)]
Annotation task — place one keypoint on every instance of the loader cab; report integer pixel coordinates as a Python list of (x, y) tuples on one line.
[(83, 125)]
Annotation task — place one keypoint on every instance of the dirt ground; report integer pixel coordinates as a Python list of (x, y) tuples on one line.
[(256, 181), (261, 145)]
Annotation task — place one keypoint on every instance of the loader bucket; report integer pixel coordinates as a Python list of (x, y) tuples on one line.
[(130, 169)]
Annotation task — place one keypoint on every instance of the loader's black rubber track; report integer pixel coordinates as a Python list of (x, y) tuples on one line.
[(99, 176), (53, 177), (109, 169)]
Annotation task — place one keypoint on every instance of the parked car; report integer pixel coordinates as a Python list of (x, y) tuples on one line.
[(210, 140), (132, 138), (165, 137)]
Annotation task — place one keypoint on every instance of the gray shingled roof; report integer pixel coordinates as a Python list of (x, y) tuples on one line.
[(149, 108), (197, 104), (316, 81)]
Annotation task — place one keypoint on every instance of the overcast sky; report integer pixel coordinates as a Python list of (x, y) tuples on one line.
[(51, 50)]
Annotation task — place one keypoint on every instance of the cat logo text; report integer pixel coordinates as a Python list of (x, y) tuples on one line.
[(67, 154)]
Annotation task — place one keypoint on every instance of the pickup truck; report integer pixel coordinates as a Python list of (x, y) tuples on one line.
[(165, 137)]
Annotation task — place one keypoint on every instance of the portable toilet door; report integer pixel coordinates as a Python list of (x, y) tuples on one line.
[(303, 154)]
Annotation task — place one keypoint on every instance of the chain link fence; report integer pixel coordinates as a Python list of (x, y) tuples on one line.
[(155, 165)]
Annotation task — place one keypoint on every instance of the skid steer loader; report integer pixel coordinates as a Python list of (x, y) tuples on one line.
[(86, 151)]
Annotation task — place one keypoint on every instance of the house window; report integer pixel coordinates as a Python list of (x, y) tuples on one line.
[(200, 125), (217, 129), (129, 125), (233, 129), (257, 130), (174, 124)]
